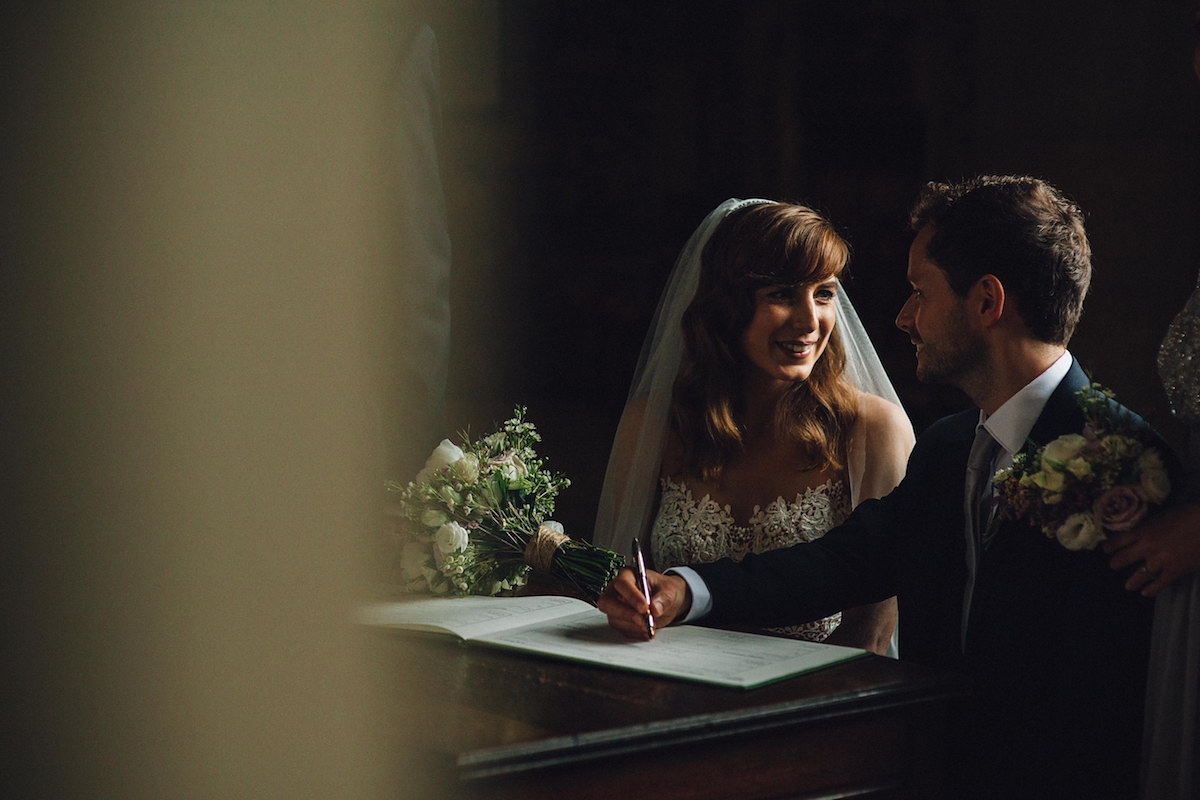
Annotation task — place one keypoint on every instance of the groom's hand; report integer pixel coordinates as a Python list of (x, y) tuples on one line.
[(623, 603)]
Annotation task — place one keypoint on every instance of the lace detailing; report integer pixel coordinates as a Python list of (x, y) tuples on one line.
[(687, 531), (1179, 360)]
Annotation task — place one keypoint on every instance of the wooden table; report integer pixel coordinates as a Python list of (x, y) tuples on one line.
[(497, 724)]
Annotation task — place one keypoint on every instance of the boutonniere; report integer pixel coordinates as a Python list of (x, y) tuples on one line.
[(1083, 485)]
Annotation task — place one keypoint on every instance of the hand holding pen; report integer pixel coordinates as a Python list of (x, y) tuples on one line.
[(639, 572), (626, 595)]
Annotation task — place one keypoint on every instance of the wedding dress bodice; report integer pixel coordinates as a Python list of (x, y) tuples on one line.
[(690, 531), (1179, 361), (1173, 696), (1179, 368)]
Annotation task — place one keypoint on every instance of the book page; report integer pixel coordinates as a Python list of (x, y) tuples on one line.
[(469, 617), (685, 652)]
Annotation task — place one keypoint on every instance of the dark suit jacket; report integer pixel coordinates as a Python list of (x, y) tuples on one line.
[(1056, 647)]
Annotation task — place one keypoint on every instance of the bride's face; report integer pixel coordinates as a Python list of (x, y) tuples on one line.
[(790, 329)]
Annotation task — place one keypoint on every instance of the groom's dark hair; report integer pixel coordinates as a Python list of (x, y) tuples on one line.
[(1020, 229)]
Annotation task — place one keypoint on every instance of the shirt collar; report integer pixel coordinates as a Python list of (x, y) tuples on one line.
[(1011, 423)]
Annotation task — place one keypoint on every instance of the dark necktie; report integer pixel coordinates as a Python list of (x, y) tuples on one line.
[(976, 505)]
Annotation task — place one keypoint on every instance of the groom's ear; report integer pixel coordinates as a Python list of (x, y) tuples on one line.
[(989, 299)]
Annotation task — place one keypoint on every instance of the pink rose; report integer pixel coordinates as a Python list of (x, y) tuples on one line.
[(1120, 508)]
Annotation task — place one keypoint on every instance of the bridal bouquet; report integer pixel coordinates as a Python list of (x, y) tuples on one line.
[(476, 520), (1082, 485)]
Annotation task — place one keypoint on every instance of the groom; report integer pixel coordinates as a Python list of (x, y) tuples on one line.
[(1055, 646)]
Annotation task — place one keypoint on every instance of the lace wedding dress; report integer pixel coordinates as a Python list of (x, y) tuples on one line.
[(691, 531), (630, 504), (1173, 696)]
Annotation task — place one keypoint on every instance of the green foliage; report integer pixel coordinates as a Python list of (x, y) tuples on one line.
[(469, 515)]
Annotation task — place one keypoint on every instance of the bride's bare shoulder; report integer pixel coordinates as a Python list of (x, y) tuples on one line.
[(881, 420), (630, 436)]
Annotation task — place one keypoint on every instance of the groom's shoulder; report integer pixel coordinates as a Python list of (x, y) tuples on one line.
[(1098, 404), (1091, 398), (1099, 407), (1119, 417), (1118, 410)]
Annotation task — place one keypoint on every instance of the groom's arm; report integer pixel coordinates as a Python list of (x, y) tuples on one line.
[(851, 565)]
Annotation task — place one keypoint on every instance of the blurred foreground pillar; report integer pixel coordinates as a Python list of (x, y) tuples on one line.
[(194, 222)]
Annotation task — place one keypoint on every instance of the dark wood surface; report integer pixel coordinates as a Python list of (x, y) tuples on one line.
[(502, 724)]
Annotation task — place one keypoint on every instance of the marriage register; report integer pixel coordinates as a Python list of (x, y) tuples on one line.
[(573, 630)]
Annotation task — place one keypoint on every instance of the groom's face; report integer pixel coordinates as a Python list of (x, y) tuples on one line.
[(936, 320)]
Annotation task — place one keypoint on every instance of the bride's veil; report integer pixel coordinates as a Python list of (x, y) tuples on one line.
[(630, 489)]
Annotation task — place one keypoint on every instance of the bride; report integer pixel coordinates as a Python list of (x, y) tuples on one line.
[(759, 413)]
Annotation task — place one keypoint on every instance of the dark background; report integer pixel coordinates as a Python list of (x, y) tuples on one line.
[(199, 231), (582, 143)]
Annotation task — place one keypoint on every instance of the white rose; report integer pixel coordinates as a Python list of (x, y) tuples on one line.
[(443, 455), (1062, 450), (557, 527), (1080, 532), (1155, 482), (467, 468), (451, 538), (514, 471)]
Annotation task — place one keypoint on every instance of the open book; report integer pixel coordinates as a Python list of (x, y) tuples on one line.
[(570, 629)]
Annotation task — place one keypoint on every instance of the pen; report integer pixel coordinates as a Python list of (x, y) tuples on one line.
[(639, 572)]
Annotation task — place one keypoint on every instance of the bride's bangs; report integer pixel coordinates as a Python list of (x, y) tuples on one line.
[(798, 247)]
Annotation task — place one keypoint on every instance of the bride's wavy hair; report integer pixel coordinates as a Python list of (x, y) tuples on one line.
[(766, 244)]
